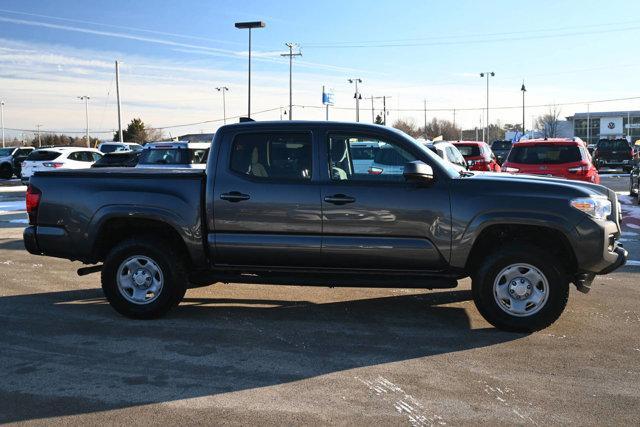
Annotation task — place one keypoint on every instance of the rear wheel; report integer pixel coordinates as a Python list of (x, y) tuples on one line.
[(143, 278), (520, 289), (6, 172)]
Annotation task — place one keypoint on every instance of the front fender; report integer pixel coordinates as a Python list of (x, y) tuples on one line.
[(464, 239)]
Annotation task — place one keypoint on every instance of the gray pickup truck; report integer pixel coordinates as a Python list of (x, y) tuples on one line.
[(281, 203)]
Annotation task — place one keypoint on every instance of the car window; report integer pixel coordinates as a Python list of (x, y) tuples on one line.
[(273, 156), (43, 155), (95, 156), (109, 148), (501, 145), (613, 144), (75, 156), (4, 152), (387, 163), (544, 154), (468, 150), (23, 152), (454, 156)]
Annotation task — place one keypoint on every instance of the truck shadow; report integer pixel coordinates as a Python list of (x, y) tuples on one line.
[(68, 353)]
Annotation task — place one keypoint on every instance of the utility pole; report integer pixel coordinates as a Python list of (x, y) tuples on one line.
[(523, 89), (588, 125), (119, 105), (454, 118), (357, 96), (249, 26), (373, 114), (384, 110), (487, 75), (2, 120), (223, 89), (291, 55), (425, 116), (39, 140), (86, 115)]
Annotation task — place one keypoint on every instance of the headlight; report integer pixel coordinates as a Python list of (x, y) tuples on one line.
[(595, 206)]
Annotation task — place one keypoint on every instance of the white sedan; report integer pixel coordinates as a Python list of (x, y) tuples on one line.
[(46, 159)]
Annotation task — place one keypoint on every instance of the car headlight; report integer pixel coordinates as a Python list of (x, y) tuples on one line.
[(595, 206)]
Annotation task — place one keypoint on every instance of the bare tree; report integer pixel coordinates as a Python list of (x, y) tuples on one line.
[(407, 126), (548, 122)]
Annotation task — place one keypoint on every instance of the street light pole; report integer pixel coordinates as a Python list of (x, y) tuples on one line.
[(291, 55), (39, 140), (120, 137), (223, 89), (357, 96), (487, 74), (523, 89), (2, 120), (249, 26), (86, 114)]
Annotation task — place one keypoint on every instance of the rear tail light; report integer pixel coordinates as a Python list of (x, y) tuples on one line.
[(375, 171), (55, 165), (33, 201)]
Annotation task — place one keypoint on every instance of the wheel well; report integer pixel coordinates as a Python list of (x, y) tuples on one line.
[(496, 236), (118, 229)]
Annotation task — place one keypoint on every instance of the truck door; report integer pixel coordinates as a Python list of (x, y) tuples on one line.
[(376, 219), (266, 201)]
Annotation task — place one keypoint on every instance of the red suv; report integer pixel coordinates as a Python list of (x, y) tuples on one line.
[(478, 155), (557, 157)]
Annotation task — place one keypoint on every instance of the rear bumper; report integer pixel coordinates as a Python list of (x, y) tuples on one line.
[(50, 241)]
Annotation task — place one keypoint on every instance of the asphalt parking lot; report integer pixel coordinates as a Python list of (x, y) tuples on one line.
[(243, 354)]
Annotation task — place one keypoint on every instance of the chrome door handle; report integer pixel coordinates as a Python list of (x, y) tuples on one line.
[(339, 199)]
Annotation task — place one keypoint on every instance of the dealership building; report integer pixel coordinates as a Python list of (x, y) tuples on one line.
[(592, 126)]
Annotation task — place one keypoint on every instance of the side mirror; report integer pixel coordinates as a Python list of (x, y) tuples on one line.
[(418, 171)]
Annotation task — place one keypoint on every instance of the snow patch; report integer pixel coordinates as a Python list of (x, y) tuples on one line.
[(10, 207)]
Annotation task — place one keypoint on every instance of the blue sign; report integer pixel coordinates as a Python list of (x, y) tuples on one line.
[(327, 98), (517, 137)]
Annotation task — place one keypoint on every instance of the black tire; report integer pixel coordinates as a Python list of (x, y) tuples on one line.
[(483, 292), (6, 172), (170, 264)]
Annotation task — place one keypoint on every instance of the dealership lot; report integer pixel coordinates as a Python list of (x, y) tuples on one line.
[(283, 355)]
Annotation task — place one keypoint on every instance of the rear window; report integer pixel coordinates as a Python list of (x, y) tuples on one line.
[(613, 144), (544, 154), (4, 152), (173, 156), (469, 150), (501, 145), (43, 155), (110, 148)]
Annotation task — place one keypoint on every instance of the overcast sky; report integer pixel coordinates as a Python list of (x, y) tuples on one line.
[(174, 53)]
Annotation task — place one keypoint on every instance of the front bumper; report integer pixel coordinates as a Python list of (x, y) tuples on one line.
[(597, 250)]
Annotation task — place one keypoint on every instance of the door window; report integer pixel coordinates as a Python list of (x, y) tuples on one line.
[(273, 156), (386, 162)]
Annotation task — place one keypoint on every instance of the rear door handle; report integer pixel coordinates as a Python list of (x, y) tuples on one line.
[(234, 196), (339, 199)]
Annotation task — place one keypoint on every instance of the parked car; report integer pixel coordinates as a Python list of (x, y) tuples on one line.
[(478, 155), (11, 159), (58, 158), (501, 149), (556, 157), (280, 204), (112, 147), (613, 153), (634, 181), (179, 154), (450, 153), (118, 159)]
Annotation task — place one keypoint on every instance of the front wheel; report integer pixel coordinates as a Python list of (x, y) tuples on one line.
[(520, 289), (143, 278)]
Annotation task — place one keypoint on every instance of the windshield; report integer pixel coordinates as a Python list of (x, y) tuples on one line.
[(110, 148), (4, 152), (613, 144), (544, 154), (173, 156), (469, 150)]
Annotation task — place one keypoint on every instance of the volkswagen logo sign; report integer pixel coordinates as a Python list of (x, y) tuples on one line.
[(611, 125)]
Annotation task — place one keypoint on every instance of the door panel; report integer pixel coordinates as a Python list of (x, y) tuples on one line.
[(266, 204), (388, 223)]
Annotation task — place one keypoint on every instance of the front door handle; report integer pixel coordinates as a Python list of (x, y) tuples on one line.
[(234, 196), (339, 199)]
